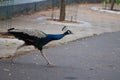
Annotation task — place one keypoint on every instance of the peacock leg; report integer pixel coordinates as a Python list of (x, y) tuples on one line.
[(44, 56), (20, 46), (12, 59)]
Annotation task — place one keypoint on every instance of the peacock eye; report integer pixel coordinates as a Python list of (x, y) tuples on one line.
[(69, 32)]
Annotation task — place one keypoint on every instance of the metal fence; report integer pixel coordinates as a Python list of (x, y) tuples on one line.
[(6, 12), (13, 7), (6, 9)]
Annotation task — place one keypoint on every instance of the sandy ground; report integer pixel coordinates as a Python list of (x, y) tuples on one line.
[(99, 22)]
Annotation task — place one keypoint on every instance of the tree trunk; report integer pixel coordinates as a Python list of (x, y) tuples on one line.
[(112, 4), (62, 10)]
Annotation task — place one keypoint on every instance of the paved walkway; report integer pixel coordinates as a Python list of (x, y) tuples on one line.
[(99, 22), (96, 58)]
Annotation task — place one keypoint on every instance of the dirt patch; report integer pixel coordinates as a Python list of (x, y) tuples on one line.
[(66, 21)]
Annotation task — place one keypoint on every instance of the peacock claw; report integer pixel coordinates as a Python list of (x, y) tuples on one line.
[(51, 65), (12, 61)]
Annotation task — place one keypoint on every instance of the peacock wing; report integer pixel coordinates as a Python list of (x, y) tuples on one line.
[(31, 32)]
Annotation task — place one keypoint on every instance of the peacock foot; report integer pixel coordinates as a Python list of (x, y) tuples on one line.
[(51, 65)]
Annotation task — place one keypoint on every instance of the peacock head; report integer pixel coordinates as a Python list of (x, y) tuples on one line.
[(68, 32)]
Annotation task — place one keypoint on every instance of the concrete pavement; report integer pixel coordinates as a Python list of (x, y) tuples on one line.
[(96, 58)]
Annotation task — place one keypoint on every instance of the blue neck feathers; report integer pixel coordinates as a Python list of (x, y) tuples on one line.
[(51, 37), (55, 36)]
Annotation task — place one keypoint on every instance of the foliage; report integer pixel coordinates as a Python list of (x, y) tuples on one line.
[(117, 2), (105, 1)]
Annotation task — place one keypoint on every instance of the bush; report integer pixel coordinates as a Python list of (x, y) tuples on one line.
[(117, 2)]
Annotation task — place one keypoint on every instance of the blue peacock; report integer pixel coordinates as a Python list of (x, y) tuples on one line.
[(37, 38)]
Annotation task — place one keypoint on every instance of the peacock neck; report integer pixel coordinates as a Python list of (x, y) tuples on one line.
[(55, 36), (50, 37)]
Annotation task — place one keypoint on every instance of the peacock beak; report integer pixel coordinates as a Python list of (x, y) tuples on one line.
[(72, 33)]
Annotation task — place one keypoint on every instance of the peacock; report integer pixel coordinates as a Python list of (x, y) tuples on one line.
[(37, 38)]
